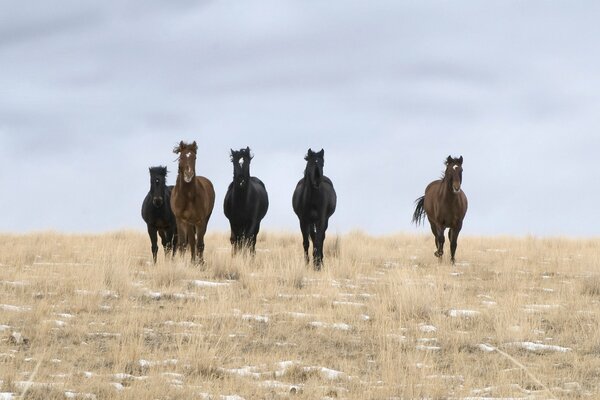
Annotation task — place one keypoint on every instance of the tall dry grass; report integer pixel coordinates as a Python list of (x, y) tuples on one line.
[(383, 319)]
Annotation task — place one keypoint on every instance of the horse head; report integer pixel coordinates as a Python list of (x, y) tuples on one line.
[(187, 160), (158, 179), (241, 166), (314, 167), (453, 173)]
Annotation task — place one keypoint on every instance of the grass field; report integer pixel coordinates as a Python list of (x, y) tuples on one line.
[(88, 317)]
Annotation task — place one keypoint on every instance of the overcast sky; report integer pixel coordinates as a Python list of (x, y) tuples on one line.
[(93, 93)]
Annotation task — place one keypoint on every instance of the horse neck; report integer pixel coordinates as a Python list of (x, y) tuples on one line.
[(188, 186), (241, 191), (308, 190), (447, 195)]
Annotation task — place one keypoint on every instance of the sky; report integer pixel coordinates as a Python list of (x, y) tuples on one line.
[(94, 93)]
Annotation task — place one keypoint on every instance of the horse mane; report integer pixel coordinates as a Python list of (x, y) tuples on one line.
[(159, 170)]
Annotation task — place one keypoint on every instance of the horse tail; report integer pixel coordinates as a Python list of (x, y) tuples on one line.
[(419, 214)]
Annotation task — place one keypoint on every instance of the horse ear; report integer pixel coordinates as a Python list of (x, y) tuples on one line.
[(321, 153), (448, 160), (195, 146), (460, 160)]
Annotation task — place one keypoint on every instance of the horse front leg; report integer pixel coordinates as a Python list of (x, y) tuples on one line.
[(305, 228), (438, 233), (165, 239), (153, 241), (200, 232), (182, 237), (319, 243), (453, 237)]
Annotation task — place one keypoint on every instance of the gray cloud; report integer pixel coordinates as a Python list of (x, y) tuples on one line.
[(93, 94)]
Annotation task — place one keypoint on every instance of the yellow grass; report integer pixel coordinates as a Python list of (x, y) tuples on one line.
[(90, 317)]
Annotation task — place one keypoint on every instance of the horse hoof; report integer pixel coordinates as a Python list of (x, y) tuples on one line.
[(438, 254)]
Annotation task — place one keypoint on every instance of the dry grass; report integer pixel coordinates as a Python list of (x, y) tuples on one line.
[(382, 320)]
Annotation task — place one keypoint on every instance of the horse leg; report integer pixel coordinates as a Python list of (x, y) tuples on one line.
[(305, 228), (166, 243), (318, 243), (182, 237), (174, 238), (252, 239), (453, 237), (201, 231), (153, 241), (438, 233)]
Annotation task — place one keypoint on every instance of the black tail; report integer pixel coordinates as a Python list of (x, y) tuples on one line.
[(419, 214)]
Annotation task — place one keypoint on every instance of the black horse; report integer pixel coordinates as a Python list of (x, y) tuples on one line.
[(156, 211), (246, 202), (314, 202)]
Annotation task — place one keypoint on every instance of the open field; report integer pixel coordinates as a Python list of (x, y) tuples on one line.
[(87, 316)]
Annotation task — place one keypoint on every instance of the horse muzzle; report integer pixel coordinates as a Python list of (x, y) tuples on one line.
[(157, 201), (188, 177)]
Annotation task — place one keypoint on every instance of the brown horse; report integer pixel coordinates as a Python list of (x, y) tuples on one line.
[(445, 205), (192, 201)]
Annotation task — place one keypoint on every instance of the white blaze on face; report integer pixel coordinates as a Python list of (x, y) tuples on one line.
[(455, 167), (241, 162), (188, 155)]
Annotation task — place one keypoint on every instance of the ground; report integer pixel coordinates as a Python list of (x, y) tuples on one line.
[(89, 317)]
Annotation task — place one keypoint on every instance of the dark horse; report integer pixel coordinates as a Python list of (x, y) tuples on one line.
[(156, 211), (314, 202), (445, 205), (246, 202), (192, 201)]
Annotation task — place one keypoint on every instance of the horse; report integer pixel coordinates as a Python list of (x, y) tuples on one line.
[(246, 202), (156, 212), (445, 205), (192, 201), (314, 201)]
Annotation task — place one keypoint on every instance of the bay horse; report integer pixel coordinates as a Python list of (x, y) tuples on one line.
[(314, 201), (192, 201), (246, 202), (156, 212), (445, 205)]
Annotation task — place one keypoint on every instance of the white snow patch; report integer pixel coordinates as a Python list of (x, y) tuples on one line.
[(463, 313), (486, 347), (348, 303), (9, 307), (199, 283), (339, 325), (428, 348), (539, 347), (6, 396), (247, 371), (186, 324), (427, 328), (118, 386), (257, 318)]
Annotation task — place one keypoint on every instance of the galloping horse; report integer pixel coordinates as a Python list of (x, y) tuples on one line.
[(246, 202), (192, 201), (445, 205), (156, 211), (314, 201)]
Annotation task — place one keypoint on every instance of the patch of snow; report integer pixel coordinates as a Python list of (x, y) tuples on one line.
[(4, 328), (428, 348), (463, 313), (200, 283), (15, 283), (248, 371), (9, 307), (186, 324), (489, 303), (331, 374), (299, 315), (118, 386), (257, 318), (65, 315), (365, 317), (339, 325), (486, 348), (427, 328), (539, 347), (6, 396), (348, 303)]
